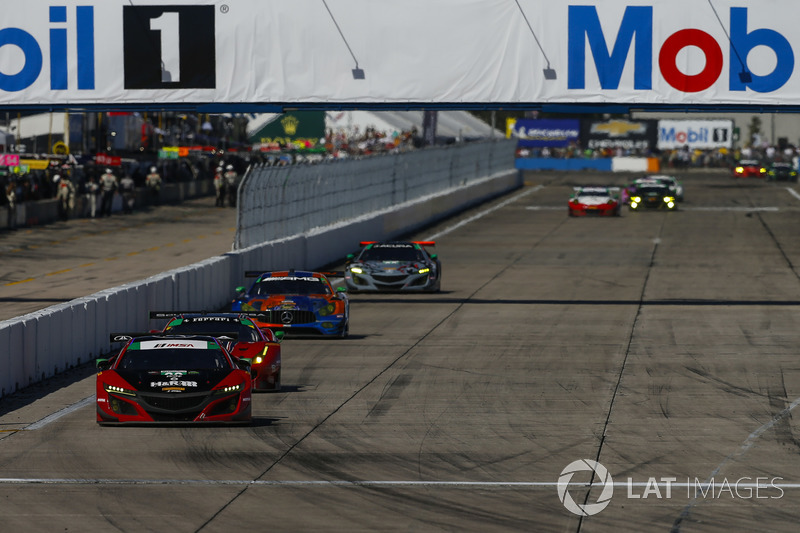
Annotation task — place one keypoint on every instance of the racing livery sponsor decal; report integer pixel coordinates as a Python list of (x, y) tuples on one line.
[(169, 47), (289, 278), (175, 383), (182, 344)]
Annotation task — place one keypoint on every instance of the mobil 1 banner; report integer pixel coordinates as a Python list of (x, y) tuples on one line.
[(695, 134), (638, 135)]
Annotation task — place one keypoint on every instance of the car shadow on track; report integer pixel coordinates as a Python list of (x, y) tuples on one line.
[(36, 391), (673, 302)]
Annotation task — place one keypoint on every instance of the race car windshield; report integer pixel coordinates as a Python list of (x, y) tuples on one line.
[(243, 333), (403, 255), (291, 286), (592, 194), (653, 190), (172, 359)]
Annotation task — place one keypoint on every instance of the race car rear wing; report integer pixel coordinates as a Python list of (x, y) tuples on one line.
[(421, 243), (125, 337), (156, 315), (331, 274)]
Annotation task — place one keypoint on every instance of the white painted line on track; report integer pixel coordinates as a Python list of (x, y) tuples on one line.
[(793, 192), (58, 414), (730, 208), (389, 483), (475, 217), (699, 208)]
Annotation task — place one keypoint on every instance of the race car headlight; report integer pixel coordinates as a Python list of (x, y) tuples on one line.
[(424, 270), (328, 309), (229, 389), (739, 170), (671, 205), (258, 360), (763, 170), (119, 390), (356, 270), (637, 199), (668, 199), (634, 205)]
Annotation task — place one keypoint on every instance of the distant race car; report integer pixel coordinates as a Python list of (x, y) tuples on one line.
[(297, 302), (749, 168), (241, 336), (394, 266), (675, 186), (782, 172), (158, 378), (654, 195), (594, 201)]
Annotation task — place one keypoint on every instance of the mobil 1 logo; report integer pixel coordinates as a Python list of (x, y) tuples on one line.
[(169, 47)]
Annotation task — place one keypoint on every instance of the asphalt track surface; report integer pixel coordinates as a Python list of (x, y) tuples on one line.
[(46, 265), (663, 345)]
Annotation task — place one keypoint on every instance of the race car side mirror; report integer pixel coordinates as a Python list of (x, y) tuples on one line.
[(341, 289), (279, 335), (103, 364), (240, 289), (433, 256), (350, 257)]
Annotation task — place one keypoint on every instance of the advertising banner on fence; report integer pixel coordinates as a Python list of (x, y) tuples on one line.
[(695, 134), (553, 133), (619, 134), (77, 52)]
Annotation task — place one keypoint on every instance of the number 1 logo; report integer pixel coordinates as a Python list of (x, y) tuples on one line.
[(169, 47)]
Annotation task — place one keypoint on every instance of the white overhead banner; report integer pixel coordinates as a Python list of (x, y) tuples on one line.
[(394, 52)]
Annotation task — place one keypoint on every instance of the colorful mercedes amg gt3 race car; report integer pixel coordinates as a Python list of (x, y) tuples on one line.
[(158, 378), (258, 346), (594, 201), (296, 302), (393, 266)]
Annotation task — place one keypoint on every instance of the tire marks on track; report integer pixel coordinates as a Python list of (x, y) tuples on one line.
[(406, 352)]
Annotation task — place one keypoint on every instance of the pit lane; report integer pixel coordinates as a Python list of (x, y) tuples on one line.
[(659, 344)]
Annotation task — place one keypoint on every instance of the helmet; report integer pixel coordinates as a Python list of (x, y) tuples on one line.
[(108, 171), (56, 178), (229, 167), (219, 168), (152, 169)]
